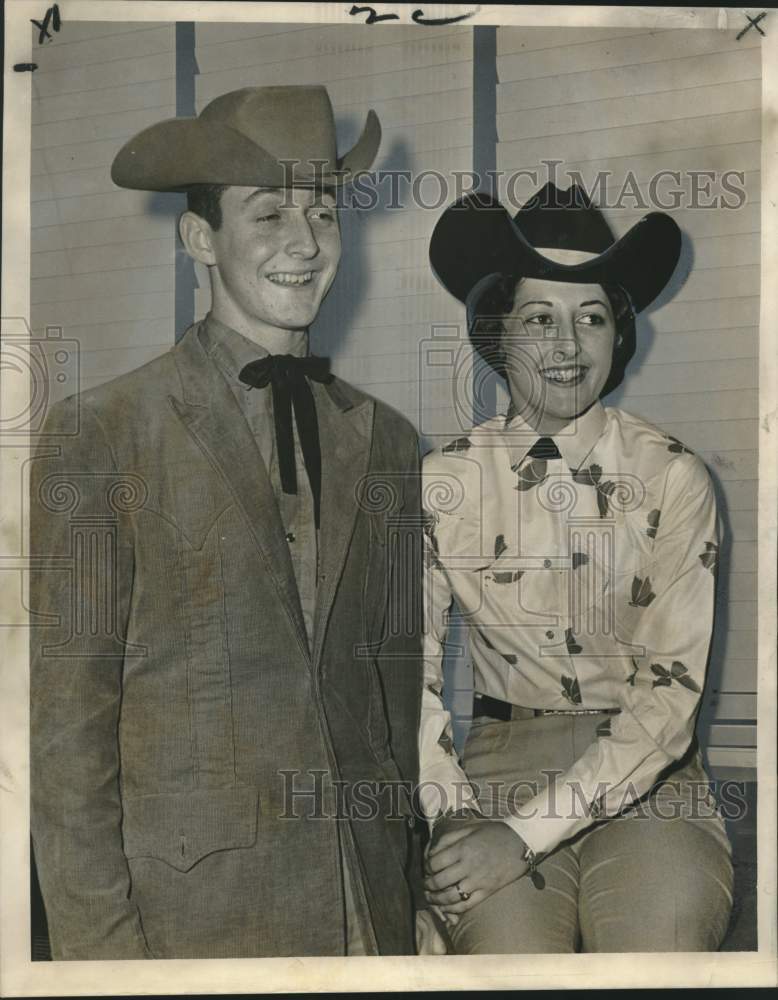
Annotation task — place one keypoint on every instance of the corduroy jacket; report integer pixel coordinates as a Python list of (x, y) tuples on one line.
[(190, 755)]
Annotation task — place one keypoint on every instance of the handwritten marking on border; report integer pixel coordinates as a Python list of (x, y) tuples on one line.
[(51, 18), (372, 16), (753, 22), (417, 16)]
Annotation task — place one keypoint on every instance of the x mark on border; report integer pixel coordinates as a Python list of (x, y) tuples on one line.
[(753, 22)]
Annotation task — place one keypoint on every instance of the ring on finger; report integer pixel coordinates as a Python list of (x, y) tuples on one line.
[(464, 896)]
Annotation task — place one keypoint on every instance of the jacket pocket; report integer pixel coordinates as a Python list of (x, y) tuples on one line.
[(182, 829), (188, 497)]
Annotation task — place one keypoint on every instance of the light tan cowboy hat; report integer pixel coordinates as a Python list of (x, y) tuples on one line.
[(255, 137)]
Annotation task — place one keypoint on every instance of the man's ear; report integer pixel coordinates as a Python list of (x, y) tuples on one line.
[(196, 235)]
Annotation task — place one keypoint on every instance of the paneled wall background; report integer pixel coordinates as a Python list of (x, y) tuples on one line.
[(104, 259)]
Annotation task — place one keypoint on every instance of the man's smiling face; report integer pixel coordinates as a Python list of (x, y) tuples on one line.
[(560, 352), (275, 256)]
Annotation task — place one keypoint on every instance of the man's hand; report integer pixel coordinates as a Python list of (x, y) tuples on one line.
[(452, 822), (466, 818), (429, 939), (478, 858)]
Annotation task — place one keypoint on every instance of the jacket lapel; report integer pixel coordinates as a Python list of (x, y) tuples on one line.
[(213, 418), (345, 433)]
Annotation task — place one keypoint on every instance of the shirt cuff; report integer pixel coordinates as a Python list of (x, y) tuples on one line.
[(543, 825), (444, 789)]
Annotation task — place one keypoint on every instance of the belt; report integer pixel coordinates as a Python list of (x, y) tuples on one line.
[(484, 706)]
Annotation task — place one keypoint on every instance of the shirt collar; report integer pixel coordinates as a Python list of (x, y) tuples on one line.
[(229, 350), (575, 441)]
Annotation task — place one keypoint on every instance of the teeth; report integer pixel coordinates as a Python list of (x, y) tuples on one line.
[(562, 374), (290, 278)]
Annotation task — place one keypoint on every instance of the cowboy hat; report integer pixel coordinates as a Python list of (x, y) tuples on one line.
[(556, 235), (255, 137)]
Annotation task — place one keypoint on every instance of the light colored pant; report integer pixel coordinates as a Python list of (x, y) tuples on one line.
[(356, 943), (637, 883)]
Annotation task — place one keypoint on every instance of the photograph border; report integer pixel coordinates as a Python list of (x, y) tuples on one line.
[(19, 976)]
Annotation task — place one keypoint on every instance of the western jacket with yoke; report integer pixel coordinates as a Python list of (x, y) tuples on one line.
[(190, 753)]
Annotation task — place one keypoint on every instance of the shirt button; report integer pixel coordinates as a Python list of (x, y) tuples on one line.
[(546, 564), (290, 536), (549, 634)]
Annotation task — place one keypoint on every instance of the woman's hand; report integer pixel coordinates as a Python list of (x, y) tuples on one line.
[(478, 859)]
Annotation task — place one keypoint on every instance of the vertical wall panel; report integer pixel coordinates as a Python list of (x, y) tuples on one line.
[(103, 259)]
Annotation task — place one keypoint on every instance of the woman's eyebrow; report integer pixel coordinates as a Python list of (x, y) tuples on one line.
[(592, 302), (536, 302)]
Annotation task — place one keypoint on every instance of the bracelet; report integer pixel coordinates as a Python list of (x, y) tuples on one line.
[(531, 860)]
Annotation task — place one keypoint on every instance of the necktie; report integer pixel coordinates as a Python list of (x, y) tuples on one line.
[(288, 378), (544, 448)]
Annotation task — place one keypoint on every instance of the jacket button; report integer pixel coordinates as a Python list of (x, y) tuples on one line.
[(547, 564), (290, 536), (549, 634)]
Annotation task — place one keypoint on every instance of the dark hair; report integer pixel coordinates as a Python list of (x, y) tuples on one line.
[(205, 200), (486, 326)]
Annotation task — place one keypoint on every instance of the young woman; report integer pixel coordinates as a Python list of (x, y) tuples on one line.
[(579, 543)]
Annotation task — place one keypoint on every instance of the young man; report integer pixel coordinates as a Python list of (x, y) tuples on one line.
[(218, 710)]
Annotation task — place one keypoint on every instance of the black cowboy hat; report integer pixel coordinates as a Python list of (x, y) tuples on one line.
[(556, 235)]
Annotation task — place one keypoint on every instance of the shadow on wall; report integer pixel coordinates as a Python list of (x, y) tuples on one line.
[(647, 344), (170, 205), (335, 332), (721, 631)]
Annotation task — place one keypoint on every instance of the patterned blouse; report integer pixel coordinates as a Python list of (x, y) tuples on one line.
[(585, 581)]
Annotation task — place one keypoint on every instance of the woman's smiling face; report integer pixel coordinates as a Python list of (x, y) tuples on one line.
[(558, 348)]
